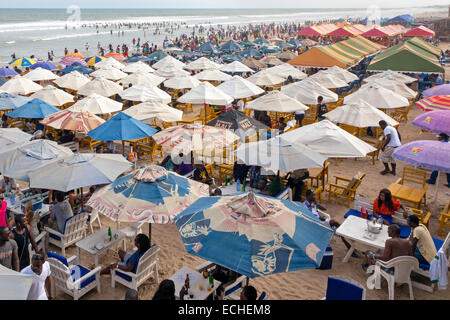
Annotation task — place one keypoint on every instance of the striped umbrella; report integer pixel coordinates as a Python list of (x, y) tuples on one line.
[(22, 62), (93, 60), (69, 120), (435, 103)]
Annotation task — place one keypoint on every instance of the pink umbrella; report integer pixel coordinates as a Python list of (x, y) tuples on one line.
[(70, 120), (67, 61)]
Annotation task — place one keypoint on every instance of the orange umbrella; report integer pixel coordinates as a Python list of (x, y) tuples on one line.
[(116, 56), (70, 120), (76, 54)]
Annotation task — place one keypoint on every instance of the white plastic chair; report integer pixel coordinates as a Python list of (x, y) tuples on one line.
[(94, 216), (130, 232), (41, 243), (233, 290)]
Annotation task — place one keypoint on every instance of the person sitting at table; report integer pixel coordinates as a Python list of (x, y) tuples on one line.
[(59, 212), (166, 290), (422, 244), (394, 247), (129, 261), (7, 184), (21, 233), (249, 293), (68, 136), (201, 174), (183, 167), (33, 220), (385, 206), (295, 181), (73, 200)]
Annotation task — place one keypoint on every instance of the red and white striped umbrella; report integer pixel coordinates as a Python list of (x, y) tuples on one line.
[(70, 120)]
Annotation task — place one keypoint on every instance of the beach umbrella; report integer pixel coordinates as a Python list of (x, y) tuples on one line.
[(250, 52), (14, 285), (19, 162), (307, 91), (7, 72), (328, 80), (283, 44), (238, 88), (390, 74), (12, 101), (254, 235), (141, 93), (40, 74), (171, 71), (441, 90), (22, 62), (272, 60), (269, 50), (78, 171), (13, 137), (247, 44), (286, 55), (276, 101), (396, 86), (138, 67), (230, 46), (186, 82), (137, 58), (96, 104), (285, 70), (146, 111), (76, 67), (212, 75), (20, 85), (108, 63), (73, 81), (91, 61), (71, 120), (44, 65), (254, 64), (207, 47), (100, 86), (265, 78), (236, 66), (115, 55), (378, 96), (308, 42), (432, 103), (261, 41), (168, 61), (228, 58), (206, 93), (54, 96), (202, 63), (33, 109), (68, 61), (2, 82), (359, 114), (436, 121), (329, 140), (76, 55), (142, 78), (295, 42), (157, 55), (343, 74), (109, 73)]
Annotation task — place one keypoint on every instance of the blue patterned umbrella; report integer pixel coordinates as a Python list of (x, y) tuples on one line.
[(207, 48), (250, 52), (254, 235), (157, 55), (136, 58), (12, 101), (44, 65), (261, 41), (76, 67), (33, 109), (230, 46), (267, 50)]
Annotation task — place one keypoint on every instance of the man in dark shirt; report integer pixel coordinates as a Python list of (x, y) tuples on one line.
[(321, 108)]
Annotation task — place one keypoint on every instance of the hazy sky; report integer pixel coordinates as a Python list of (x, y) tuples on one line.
[(218, 4)]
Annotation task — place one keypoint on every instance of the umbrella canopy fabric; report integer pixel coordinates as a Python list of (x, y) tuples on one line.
[(3, 81), (186, 82), (238, 88), (168, 61), (137, 58), (109, 73), (230, 46), (44, 65), (14, 285), (272, 60), (279, 154), (207, 47), (254, 64), (11, 137), (91, 61), (286, 55), (343, 74), (434, 103), (378, 96), (254, 235), (328, 139), (202, 63), (250, 52), (212, 75), (138, 67), (12, 101), (236, 66), (115, 55), (77, 55), (443, 89), (53, 96), (20, 85), (71, 120), (206, 93), (18, 163), (96, 104), (276, 101), (436, 121), (7, 72), (395, 86), (100, 86), (141, 93), (389, 73), (150, 194), (286, 70), (328, 80), (265, 78), (22, 62), (73, 80), (261, 41), (171, 71), (307, 91), (108, 63), (76, 67), (148, 110), (68, 61), (33, 109), (121, 127), (157, 55), (359, 114), (142, 78), (420, 31), (79, 170)]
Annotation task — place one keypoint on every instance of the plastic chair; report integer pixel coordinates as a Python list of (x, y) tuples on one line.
[(343, 288)]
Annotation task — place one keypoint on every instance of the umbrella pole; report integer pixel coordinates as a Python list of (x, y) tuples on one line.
[(436, 191), (150, 232)]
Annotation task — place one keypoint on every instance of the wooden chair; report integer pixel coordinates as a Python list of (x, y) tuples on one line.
[(411, 194), (225, 170), (350, 129), (401, 114), (444, 219), (318, 174), (346, 191), (93, 144), (378, 144), (210, 169)]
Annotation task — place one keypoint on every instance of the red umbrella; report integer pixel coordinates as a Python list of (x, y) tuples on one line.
[(116, 56), (435, 103)]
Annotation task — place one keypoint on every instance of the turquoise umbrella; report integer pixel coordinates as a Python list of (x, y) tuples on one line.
[(34, 109)]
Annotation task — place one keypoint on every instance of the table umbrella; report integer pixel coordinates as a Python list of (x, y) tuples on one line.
[(137, 58), (328, 80), (230, 46), (272, 60), (247, 44), (2, 82), (207, 47), (295, 42), (12, 137), (254, 64), (93, 60), (202, 64), (261, 40), (76, 67), (389, 73), (343, 74), (109, 73), (7, 72), (276, 101), (44, 65), (186, 82), (53, 96), (250, 52), (168, 61), (152, 109), (206, 93), (212, 75), (96, 104), (394, 85), (265, 78), (171, 71), (77, 55), (378, 96), (238, 87), (142, 78), (138, 67), (157, 55), (108, 63), (22, 62), (436, 121), (68, 61), (307, 91), (20, 85), (150, 194), (33, 109), (141, 93), (73, 80), (100, 86), (254, 235), (308, 42), (14, 285), (78, 171), (285, 70), (12, 101), (286, 55), (431, 103), (443, 89), (72, 120), (236, 66), (40, 74), (328, 139), (115, 55)]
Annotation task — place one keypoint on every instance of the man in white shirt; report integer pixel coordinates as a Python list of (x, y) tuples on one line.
[(392, 141), (240, 105), (40, 271)]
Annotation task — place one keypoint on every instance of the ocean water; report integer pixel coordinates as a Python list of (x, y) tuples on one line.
[(37, 31)]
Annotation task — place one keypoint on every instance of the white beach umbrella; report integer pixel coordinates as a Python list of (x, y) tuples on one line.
[(236, 66), (96, 104), (343, 74), (39, 74), (185, 82), (138, 67), (13, 137), (81, 121), (359, 114), (141, 93), (238, 88), (53, 96), (389, 73), (79, 170), (307, 91), (202, 64), (328, 80), (100, 86), (378, 96), (108, 63), (20, 85), (394, 85), (285, 70), (168, 61), (264, 78), (212, 75), (171, 71), (142, 79), (109, 73), (73, 80), (14, 285), (276, 101), (146, 111), (206, 93), (328, 139)]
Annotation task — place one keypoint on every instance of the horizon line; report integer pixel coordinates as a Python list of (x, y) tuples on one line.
[(206, 8)]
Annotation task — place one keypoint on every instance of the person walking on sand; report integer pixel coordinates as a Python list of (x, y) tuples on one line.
[(392, 141)]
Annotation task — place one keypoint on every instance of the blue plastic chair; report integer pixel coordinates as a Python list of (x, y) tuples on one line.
[(341, 288)]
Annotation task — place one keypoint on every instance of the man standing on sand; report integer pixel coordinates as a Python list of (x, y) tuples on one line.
[(8, 250), (392, 141)]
